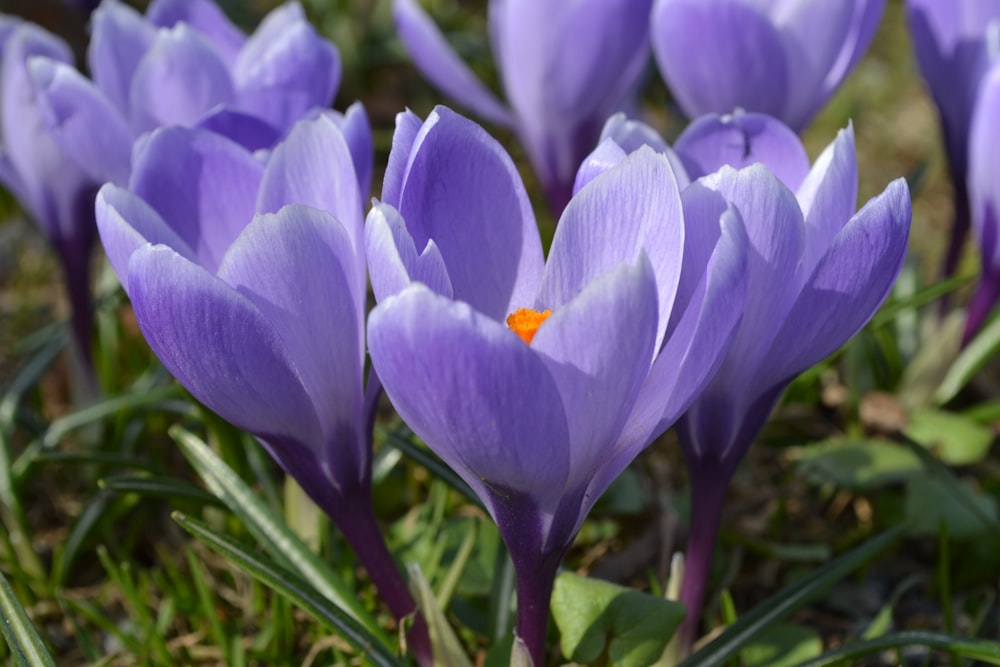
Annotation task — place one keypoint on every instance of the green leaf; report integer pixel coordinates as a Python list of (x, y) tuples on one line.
[(158, 487), (278, 539), (161, 398), (970, 361), (956, 439), (23, 641), (931, 501), (782, 645), (857, 465), (295, 590), (447, 649), (597, 617), (765, 615), (973, 649)]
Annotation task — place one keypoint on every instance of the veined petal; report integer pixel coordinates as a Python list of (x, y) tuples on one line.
[(607, 154), (202, 184), (864, 25), (393, 260), (241, 370), (286, 68), (474, 392), (126, 223), (984, 170), (442, 67), (828, 196), (204, 16), (633, 134), (408, 126), (847, 287), (462, 190), (180, 79), (120, 37), (249, 131), (740, 140), (740, 63), (298, 267), (87, 128), (634, 207), (314, 166), (357, 131), (598, 347)]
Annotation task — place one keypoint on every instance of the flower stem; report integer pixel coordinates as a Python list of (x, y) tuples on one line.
[(534, 594)]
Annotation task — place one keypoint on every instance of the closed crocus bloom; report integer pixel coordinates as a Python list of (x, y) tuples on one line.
[(248, 282), (984, 196), (58, 195), (817, 272), (952, 44), (780, 57), (564, 66), (538, 382), (184, 63)]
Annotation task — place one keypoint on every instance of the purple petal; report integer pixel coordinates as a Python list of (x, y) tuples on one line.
[(849, 284), (179, 81), (984, 170), (607, 154), (126, 223), (828, 196), (632, 134), (633, 208), (393, 260), (462, 190), (357, 132), (219, 346), (87, 128), (285, 69), (250, 132), (203, 16), (119, 40), (598, 348), (474, 392), (442, 67), (299, 269), (202, 184), (314, 166), (740, 140), (739, 61), (408, 126), (864, 25)]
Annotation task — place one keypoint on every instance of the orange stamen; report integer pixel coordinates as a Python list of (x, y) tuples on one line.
[(525, 322)]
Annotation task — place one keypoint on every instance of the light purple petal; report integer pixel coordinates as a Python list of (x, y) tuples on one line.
[(204, 16), (408, 126), (829, 196), (633, 208), (850, 283), (864, 25), (632, 134), (87, 128), (298, 268), (438, 62), (393, 260), (120, 37), (740, 140), (219, 346), (474, 392), (598, 348), (285, 69), (984, 170), (249, 131), (607, 154), (462, 190), (357, 131), (126, 223), (314, 166), (179, 81), (739, 61), (202, 184)]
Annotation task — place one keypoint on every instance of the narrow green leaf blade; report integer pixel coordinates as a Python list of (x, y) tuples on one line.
[(973, 649), (980, 350), (295, 590), (23, 640)]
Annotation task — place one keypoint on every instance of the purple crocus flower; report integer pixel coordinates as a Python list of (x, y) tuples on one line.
[(564, 66), (184, 63), (57, 194), (984, 196), (538, 382), (248, 281), (818, 271), (778, 57), (952, 47)]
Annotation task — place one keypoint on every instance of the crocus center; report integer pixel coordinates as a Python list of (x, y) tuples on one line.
[(525, 322)]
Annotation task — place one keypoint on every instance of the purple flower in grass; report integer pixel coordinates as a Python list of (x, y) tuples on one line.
[(57, 194), (817, 272), (540, 381), (564, 67), (778, 57), (953, 48), (184, 63), (984, 196), (248, 281)]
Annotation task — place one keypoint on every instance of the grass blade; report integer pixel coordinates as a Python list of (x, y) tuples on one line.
[(973, 649), (23, 641), (295, 590)]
